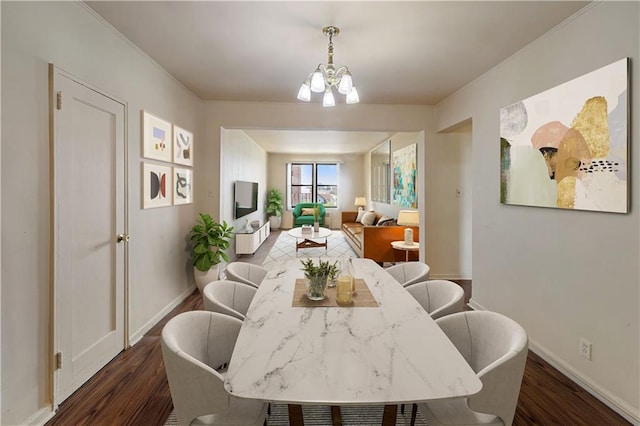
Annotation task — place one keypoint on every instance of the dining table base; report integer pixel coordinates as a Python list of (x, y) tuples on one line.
[(297, 419)]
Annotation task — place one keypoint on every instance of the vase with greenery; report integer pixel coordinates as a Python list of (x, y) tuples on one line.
[(317, 276), (209, 242), (274, 208)]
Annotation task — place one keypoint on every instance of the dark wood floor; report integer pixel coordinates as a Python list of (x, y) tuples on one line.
[(133, 390)]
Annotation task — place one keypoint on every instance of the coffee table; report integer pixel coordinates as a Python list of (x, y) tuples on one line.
[(308, 238)]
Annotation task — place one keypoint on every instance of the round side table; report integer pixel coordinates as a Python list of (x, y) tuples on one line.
[(401, 245)]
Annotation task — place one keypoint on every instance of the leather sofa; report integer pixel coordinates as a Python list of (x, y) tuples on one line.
[(300, 219), (374, 242)]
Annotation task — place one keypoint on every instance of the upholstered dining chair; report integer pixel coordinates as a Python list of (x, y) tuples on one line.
[(195, 345), (247, 273), (409, 272), (495, 347), (438, 297), (228, 297)]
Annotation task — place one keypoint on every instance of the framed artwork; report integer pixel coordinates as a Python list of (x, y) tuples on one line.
[(567, 147), (182, 190), (156, 184), (404, 177), (156, 138), (182, 146)]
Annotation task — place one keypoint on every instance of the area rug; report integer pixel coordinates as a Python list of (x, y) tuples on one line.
[(285, 247), (316, 415)]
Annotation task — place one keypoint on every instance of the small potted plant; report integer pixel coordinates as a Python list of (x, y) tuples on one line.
[(274, 208), (210, 240), (316, 276)]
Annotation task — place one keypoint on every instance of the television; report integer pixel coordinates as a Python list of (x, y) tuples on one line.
[(245, 198)]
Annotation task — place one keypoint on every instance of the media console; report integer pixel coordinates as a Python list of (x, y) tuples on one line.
[(249, 242)]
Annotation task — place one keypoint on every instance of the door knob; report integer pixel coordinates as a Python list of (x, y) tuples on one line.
[(122, 237)]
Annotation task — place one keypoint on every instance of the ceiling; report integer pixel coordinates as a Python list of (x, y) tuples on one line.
[(413, 53)]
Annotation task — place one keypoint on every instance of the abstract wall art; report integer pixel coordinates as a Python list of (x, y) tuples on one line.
[(157, 186), (182, 192), (156, 138), (182, 146), (567, 147), (404, 177)]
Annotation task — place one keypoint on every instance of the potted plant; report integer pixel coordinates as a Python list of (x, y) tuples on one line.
[(316, 218), (316, 277), (210, 240), (274, 208)]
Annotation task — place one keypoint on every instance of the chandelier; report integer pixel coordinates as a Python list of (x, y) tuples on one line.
[(326, 77)]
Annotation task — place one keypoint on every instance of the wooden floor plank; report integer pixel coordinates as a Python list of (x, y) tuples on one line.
[(133, 390)]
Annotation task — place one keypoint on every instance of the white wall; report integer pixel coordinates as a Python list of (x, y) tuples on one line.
[(350, 182), (562, 274), (449, 167), (69, 35), (243, 160)]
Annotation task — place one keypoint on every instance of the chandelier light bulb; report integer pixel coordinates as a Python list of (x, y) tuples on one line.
[(346, 84), (328, 100), (317, 82), (304, 94), (352, 97)]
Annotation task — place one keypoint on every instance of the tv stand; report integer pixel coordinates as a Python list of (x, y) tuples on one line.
[(249, 242)]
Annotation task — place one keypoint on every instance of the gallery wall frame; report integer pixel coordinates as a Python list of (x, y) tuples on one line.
[(157, 138), (404, 161), (182, 146), (567, 147), (157, 184), (182, 186)]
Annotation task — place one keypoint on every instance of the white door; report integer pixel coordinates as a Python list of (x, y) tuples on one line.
[(88, 215)]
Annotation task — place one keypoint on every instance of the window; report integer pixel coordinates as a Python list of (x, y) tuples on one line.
[(313, 181)]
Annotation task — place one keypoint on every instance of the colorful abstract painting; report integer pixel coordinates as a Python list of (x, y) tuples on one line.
[(182, 186), (567, 147), (404, 177), (182, 146), (156, 138), (157, 184)]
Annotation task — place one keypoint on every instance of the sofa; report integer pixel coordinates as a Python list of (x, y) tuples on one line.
[(373, 241), (305, 217)]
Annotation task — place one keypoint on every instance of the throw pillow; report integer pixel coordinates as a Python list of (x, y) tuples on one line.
[(307, 211), (368, 218), (361, 213), (382, 220)]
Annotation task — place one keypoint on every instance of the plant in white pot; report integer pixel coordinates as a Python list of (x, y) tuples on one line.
[(210, 240), (274, 208)]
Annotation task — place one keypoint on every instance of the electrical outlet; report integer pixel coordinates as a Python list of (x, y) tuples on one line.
[(585, 349)]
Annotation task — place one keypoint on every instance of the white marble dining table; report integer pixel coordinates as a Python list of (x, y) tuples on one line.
[(386, 355)]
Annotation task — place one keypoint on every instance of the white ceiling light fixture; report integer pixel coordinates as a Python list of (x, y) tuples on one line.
[(326, 77)]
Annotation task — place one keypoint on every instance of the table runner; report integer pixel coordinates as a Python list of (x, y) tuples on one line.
[(362, 298)]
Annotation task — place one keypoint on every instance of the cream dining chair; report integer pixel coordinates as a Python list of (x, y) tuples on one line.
[(228, 297), (438, 297), (247, 273), (196, 346), (409, 272), (495, 347)]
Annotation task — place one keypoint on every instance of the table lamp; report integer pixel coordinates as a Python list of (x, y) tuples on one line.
[(408, 218), (360, 202)]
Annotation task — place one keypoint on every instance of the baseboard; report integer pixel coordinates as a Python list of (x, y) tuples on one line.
[(40, 417), (449, 276), (585, 382), (137, 335)]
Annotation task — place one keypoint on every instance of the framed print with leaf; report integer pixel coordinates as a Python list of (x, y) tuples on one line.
[(182, 146), (156, 182), (156, 138), (182, 190)]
